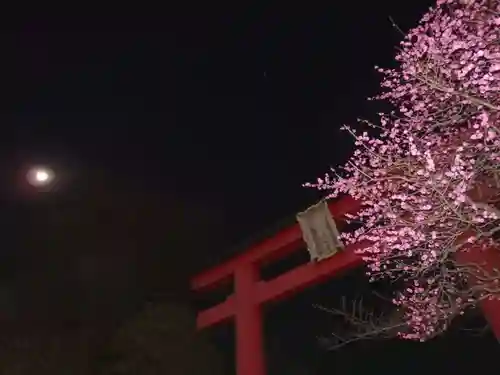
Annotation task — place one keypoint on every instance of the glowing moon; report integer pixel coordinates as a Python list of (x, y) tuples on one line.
[(40, 176)]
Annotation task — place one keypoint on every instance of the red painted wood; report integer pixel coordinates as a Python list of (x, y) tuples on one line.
[(309, 274), (250, 292), (249, 329), (283, 243), (286, 241), (286, 284), (217, 314), (489, 259)]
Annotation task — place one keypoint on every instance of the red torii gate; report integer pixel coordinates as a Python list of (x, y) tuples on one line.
[(250, 292)]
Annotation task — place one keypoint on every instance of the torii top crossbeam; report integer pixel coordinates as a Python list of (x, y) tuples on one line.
[(250, 292)]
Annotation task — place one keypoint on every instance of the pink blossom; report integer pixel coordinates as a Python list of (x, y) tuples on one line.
[(422, 179)]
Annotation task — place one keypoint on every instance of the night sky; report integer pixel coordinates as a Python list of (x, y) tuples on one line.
[(212, 114)]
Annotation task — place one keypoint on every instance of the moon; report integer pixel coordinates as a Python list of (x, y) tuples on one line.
[(40, 176)]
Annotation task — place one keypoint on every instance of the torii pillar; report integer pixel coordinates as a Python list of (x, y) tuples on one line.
[(250, 292)]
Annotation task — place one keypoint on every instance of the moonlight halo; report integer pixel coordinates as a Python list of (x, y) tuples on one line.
[(40, 176)]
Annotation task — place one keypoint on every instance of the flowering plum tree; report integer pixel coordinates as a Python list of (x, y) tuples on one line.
[(429, 175)]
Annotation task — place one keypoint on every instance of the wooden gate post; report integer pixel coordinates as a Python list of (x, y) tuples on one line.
[(249, 329)]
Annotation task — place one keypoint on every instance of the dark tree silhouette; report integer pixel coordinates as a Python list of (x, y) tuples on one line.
[(161, 340), (83, 261)]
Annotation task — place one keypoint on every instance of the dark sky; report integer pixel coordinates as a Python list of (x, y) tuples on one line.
[(231, 107), (235, 104)]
